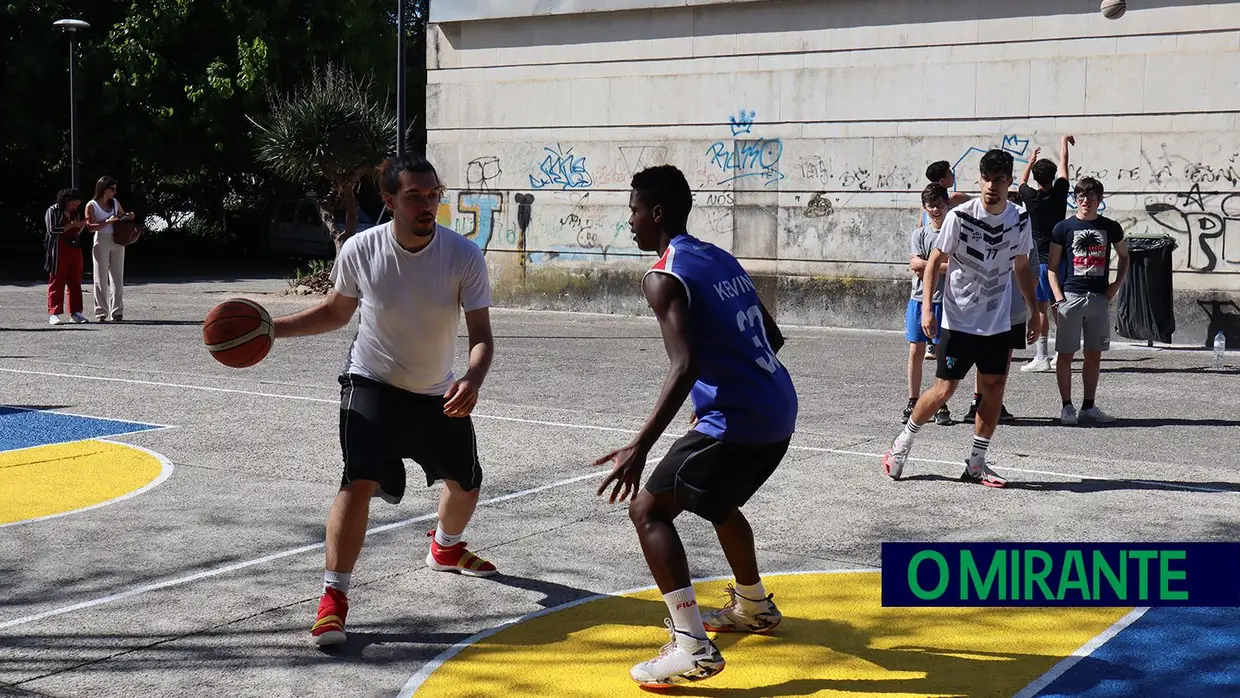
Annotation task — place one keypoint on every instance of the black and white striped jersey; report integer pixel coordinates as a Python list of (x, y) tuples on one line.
[(981, 249)]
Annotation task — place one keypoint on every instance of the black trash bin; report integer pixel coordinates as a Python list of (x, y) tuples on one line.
[(1144, 304)]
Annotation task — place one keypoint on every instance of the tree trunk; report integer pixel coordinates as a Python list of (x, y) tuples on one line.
[(342, 193)]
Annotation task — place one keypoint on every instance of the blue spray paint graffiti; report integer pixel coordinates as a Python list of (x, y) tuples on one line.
[(757, 158), (742, 123), (746, 158), (484, 208), (561, 169), (1019, 149)]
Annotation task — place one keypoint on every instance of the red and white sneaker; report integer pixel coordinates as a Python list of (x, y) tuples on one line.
[(329, 627), (456, 558), (982, 475)]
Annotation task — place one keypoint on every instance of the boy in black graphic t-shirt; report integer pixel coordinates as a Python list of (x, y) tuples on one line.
[(1083, 295)]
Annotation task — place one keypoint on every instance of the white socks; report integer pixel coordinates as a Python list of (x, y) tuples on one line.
[(1043, 345), (336, 580), (446, 540), (905, 440), (686, 617), (977, 455), (752, 599)]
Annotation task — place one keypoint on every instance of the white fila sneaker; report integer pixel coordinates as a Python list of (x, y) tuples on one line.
[(683, 659)]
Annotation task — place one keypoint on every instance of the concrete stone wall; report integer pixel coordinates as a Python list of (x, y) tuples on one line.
[(805, 129)]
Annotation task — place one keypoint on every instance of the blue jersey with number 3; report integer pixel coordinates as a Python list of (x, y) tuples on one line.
[(743, 393)]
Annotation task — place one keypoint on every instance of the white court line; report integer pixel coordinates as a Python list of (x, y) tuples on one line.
[(88, 416), (415, 682), (595, 427), (128, 593), (165, 471), (1081, 653)]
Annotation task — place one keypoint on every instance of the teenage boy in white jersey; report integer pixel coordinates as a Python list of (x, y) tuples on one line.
[(399, 397), (984, 241)]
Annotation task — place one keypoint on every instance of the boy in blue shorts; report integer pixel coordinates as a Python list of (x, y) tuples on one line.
[(1047, 206), (934, 202)]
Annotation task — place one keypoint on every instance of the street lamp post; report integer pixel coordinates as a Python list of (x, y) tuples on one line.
[(400, 77), (72, 27)]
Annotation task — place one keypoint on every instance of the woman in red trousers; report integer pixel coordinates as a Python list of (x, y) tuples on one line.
[(62, 257)]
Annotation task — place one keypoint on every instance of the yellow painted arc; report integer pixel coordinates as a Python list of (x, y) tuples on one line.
[(836, 640), (47, 481)]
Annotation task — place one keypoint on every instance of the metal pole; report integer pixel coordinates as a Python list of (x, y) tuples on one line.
[(73, 151), (400, 77)]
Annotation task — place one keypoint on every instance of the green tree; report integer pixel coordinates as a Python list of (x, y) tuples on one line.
[(330, 130), (166, 89)]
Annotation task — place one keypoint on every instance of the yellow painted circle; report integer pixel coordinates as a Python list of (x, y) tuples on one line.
[(47, 481), (836, 639)]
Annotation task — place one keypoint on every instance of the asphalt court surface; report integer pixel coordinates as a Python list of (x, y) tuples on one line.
[(201, 568)]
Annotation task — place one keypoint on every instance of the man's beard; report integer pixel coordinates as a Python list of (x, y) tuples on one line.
[(423, 228)]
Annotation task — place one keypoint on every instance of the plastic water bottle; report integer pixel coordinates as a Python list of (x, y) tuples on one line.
[(1220, 344)]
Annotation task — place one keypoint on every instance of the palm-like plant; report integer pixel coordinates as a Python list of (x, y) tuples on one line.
[(332, 129)]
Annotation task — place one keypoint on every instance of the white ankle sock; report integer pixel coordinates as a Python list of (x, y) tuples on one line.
[(686, 616), (977, 454), (1043, 345), (446, 540), (336, 580), (752, 598)]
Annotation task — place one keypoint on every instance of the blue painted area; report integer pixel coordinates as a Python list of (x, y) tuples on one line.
[(1169, 651), (21, 428)]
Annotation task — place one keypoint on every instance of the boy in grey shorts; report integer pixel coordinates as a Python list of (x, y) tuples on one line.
[(1083, 296)]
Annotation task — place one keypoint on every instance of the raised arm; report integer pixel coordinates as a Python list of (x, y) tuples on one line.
[(1063, 155), (1024, 177)]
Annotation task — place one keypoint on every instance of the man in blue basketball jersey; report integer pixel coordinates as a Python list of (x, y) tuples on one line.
[(721, 343)]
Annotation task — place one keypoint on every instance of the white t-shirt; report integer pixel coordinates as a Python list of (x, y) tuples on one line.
[(410, 305), (981, 250), (98, 215)]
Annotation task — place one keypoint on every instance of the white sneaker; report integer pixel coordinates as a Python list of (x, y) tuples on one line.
[(732, 618), (896, 457), (1093, 415), (1068, 416), (682, 660), (1036, 365), (54, 320), (79, 318)]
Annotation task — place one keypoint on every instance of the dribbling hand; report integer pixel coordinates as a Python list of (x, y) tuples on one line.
[(630, 462), (462, 397)]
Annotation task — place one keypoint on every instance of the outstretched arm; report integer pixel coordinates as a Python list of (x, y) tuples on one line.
[(330, 315), (670, 303)]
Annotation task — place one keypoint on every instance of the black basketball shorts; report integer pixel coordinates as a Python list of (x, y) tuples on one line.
[(961, 351), (710, 477), (380, 425)]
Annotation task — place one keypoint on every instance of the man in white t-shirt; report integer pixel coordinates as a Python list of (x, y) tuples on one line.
[(399, 397), (984, 241)]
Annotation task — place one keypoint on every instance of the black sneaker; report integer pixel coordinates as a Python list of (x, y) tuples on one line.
[(908, 412), (971, 415), (943, 417), (1005, 417)]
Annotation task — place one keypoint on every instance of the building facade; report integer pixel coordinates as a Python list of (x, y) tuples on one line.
[(805, 128)]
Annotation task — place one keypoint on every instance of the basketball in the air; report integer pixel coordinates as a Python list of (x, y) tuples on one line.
[(238, 332), (1114, 9)]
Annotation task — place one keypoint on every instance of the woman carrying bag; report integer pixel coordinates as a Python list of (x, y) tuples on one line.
[(109, 257), (62, 259)]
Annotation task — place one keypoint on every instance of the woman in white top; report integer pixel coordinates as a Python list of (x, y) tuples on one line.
[(109, 257)]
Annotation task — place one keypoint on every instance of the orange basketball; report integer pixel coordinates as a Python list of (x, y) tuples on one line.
[(238, 332)]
